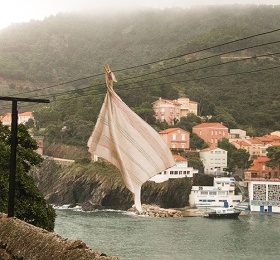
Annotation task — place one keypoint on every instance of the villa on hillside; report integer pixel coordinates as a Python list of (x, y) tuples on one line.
[(211, 133), (221, 193), (179, 170), (176, 138), (172, 110), (22, 118), (260, 172), (236, 135), (214, 160)]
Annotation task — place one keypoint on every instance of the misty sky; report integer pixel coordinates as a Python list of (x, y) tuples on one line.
[(17, 11)]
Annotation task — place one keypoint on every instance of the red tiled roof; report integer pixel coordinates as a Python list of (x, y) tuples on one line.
[(242, 143), (209, 149), (206, 125), (254, 141), (264, 139), (169, 130), (262, 159), (26, 114), (179, 158)]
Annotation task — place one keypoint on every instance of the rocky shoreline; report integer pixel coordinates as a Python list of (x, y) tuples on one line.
[(156, 211)]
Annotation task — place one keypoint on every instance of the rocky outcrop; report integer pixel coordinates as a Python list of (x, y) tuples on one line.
[(19, 240), (156, 211), (99, 185)]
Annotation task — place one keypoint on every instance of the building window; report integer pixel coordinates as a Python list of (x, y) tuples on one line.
[(200, 132), (211, 140), (183, 137), (173, 136), (211, 132), (216, 133)]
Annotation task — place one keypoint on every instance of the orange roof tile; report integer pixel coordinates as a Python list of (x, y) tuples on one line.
[(254, 141), (26, 114), (169, 130), (208, 125), (210, 149), (179, 158), (242, 143)]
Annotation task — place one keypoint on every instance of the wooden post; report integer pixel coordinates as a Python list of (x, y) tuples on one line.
[(14, 141), (13, 159)]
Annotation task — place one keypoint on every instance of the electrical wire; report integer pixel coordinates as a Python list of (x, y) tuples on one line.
[(166, 59)]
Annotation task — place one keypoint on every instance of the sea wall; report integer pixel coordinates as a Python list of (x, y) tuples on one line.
[(19, 240)]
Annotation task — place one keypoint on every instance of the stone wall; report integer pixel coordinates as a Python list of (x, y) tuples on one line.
[(19, 240)]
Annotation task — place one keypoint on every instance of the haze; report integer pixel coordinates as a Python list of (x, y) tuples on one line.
[(17, 11)]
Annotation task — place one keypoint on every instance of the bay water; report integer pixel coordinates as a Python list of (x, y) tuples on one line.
[(128, 236)]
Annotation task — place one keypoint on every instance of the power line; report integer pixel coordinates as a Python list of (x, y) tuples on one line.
[(157, 61), (162, 83), (187, 71)]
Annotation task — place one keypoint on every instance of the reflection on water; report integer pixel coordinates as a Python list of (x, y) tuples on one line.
[(129, 236)]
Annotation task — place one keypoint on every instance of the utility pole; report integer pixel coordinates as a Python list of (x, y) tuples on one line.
[(14, 141)]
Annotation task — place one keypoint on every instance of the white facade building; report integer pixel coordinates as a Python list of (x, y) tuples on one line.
[(179, 170), (214, 160), (237, 135), (215, 196), (264, 196)]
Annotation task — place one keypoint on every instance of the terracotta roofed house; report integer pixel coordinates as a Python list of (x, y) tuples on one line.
[(211, 132), (176, 138), (167, 110)]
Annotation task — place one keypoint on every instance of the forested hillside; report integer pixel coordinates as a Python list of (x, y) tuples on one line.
[(234, 83)]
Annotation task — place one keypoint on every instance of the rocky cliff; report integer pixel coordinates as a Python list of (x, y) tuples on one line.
[(98, 185), (19, 240)]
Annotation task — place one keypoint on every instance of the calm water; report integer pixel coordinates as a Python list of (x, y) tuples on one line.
[(127, 236)]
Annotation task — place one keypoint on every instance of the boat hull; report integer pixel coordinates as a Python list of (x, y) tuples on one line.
[(223, 215)]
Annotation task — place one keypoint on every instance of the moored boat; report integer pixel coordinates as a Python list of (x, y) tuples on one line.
[(223, 213)]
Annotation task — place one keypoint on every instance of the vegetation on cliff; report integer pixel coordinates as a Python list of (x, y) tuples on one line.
[(30, 205), (98, 184)]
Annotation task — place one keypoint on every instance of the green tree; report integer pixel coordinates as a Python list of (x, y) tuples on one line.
[(197, 142), (30, 205), (273, 153), (236, 158)]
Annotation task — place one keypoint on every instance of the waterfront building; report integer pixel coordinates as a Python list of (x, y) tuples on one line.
[(264, 196), (211, 133), (221, 193), (214, 160), (176, 138), (179, 170)]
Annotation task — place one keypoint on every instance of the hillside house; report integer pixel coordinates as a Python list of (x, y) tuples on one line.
[(179, 170), (260, 172), (211, 133), (236, 135), (253, 146), (167, 110), (176, 138), (172, 110), (276, 133), (187, 106), (214, 160), (22, 118), (7, 119)]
